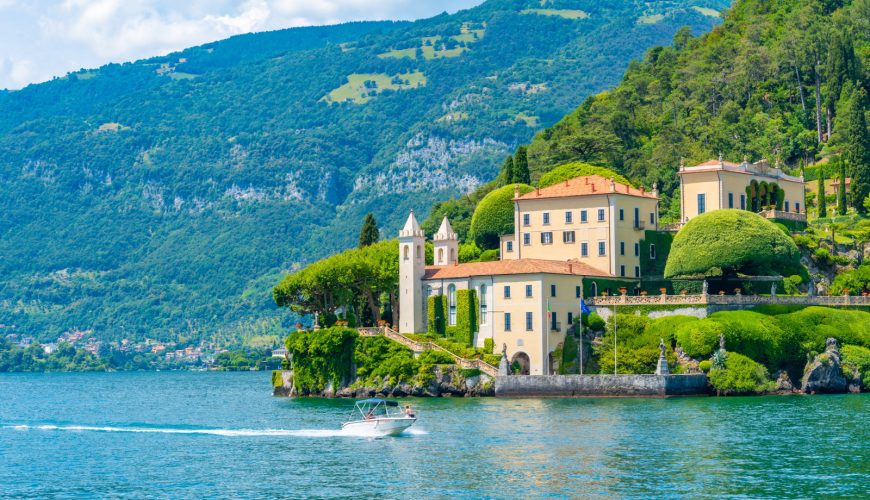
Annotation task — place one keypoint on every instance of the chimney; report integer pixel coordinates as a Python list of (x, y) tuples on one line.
[(612, 186), (537, 192), (587, 180), (570, 268), (593, 187)]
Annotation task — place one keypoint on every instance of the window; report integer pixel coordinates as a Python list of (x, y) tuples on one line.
[(621, 248), (797, 208), (652, 218), (637, 249), (526, 219), (419, 253), (428, 291), (569, 217), (546, 218), (527, 239), (440, 255), (636, 217), (602, 248), (584, 249), (507, 291), (622, 271), (568, 237), (583, 217), (407, 252), (578, 291), (482, 300), (452, 255), (742, 202), (451, 305), (570, 319), (600, 214), (507, 322), (702, 203), (528, 290), (529, 321), (621, 215), (786, 206), (509, 246), (637, 271), (554, 324), (652, 251), (547, 238), (552, 290), (730, 200)]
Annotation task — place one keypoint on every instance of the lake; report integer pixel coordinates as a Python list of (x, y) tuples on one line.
[(194, 435)]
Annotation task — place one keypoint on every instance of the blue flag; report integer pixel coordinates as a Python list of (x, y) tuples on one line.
[(584, 308)]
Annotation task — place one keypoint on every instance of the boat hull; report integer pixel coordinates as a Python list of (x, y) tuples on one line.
[(388, 426)]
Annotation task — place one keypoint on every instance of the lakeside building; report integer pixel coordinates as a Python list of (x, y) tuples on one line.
[(578, 238)]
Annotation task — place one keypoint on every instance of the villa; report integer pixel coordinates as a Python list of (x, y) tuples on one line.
[(569, 239)]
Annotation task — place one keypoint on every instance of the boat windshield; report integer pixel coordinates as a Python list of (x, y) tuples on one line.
[(373, 408)]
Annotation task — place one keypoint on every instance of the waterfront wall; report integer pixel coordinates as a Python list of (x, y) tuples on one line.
[(568, 386)]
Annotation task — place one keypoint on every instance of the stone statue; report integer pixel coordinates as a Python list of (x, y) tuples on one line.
[(662, 348), (721, 341), (773, 289), (504, 350), (811, 290), (704, 291)]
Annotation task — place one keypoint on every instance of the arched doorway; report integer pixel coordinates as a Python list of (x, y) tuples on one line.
[(521, 361)]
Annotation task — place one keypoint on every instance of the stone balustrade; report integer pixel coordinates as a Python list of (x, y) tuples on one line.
[(724, 300), (782, 215)]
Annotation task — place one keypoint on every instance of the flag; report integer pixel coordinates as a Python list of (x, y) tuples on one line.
[(548, 309), (583, 307)]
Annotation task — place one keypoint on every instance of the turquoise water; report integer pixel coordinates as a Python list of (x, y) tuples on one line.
[(194, 435)]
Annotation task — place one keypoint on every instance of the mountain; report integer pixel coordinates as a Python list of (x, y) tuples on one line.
[(778, 79), (163, 198)]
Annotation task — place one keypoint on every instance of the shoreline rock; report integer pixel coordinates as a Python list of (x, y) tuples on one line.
[(823, 374)]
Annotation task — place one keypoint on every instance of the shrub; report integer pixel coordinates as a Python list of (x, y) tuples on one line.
[(740, 376), (594, 322), (699, 338), (856, 281), (323, 358), (433, 357), (488, 256), (705, 365), (488, 345), (726, 242), (578, 169), (856, 359), (436, 323), (494, 215), (469, 252), (665, 327)]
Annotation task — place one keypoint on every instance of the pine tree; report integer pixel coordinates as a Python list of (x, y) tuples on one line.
[(841, 193), (853, 141), (823, 203), (369, 234), (521, 167), (507, 171)]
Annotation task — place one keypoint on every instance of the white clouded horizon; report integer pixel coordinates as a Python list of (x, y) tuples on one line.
[(41, 39)]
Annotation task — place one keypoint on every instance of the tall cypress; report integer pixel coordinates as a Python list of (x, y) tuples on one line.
[(823, 203), (369, 234), (841, 193), (507, 171), (521, 167), (853, 141)]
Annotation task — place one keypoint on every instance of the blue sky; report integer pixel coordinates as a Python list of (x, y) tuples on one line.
[(40, 39)]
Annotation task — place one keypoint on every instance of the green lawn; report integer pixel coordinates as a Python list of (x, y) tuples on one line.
[(356, 91), (566, 13), (428, 44)]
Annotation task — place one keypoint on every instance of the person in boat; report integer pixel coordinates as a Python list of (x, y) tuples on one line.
[(370, 415), (408, 412)]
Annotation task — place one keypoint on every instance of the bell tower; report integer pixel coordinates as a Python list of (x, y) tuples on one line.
[(412, 265), (446, 245)]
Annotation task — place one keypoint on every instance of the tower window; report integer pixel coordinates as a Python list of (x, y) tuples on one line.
[(451, 305), (483, 308)]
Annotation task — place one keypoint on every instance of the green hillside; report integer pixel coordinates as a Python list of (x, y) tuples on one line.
[(163, 198)]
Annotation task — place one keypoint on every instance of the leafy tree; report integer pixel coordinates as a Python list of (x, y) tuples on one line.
[(369, 233), (723, 243), (494, 215), (578, 169), (521, 167)]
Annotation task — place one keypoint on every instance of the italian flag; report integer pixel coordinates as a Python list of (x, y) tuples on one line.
[(548, 309)]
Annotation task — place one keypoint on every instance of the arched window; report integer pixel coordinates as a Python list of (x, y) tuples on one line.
[(451, 305), (482, 301), (418, 251), (407, 252), (440, 255), (595, 289), (452, 255)]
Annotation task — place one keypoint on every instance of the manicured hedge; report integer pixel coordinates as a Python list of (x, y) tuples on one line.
[(494, 216), (741, 375), (572, 170), (662, 240), (436, 323), (466, 316), (727, 242), (604, 283)]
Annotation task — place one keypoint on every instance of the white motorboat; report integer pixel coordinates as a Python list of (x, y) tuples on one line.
[(373, 417)]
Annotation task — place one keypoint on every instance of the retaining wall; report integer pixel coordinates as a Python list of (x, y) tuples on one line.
[(568, 386)]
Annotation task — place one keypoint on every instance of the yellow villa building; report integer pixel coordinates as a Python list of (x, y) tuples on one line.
[(566, 238)]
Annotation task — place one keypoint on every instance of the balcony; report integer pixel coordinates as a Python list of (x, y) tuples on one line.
[(638, 225)]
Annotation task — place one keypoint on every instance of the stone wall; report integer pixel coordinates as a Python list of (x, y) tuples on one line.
[(567, 386)]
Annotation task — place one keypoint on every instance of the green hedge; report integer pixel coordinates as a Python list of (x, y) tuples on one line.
[(604, 283), (856, 359), (494, 216), (436, 322), (466, 316), (655, 268), (741, 375)]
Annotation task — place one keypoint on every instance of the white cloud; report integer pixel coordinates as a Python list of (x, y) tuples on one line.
[(66, 35)]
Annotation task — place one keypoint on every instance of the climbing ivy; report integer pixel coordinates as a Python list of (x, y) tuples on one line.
[(435, 312), (466, 316)]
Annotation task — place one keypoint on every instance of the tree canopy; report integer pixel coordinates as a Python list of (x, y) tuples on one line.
[(494, 215), (577, 169), (728, 242)]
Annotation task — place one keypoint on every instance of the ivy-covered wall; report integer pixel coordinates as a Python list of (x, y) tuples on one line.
[(605, 284), (655, 268), (436, 323), (466, 316)]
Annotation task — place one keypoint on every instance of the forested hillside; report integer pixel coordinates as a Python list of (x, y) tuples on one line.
[(163, 198)]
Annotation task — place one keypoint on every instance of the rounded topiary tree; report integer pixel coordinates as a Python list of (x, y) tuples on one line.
[(494, 215), (578, 169), (727, 242)]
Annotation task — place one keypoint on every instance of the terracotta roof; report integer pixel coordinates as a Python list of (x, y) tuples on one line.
[(518, 266), (584, 186)]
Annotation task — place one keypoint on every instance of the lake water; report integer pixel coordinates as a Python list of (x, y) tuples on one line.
[(194, 435)]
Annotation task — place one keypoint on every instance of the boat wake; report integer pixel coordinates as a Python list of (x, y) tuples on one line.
[(307, 433)]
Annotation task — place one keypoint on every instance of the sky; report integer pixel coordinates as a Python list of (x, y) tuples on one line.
[(40, 39)]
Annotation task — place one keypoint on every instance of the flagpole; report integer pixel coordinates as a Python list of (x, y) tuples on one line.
[(614, 338)]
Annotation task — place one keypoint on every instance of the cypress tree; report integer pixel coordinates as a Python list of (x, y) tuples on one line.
[(853, 141), (507, 171), (369, 233), (841, 193), (521, 167), (823, 203)]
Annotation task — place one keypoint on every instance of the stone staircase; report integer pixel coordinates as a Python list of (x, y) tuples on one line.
[(418, 347)]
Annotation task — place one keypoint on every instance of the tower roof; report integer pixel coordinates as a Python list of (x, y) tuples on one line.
[(445, 232), (412, 228)]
